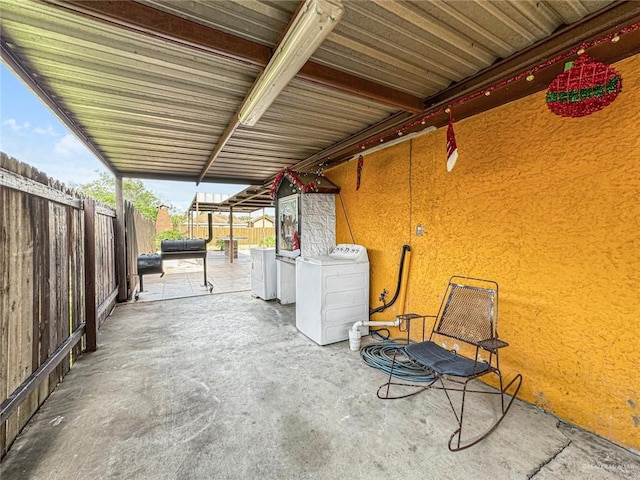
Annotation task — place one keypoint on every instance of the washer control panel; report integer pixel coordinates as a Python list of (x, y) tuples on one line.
[(350, 251)]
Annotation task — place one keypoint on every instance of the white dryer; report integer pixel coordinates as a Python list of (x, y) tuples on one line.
[(332, 293)]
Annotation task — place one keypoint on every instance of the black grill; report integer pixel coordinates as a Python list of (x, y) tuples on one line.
[(183, 246), (176, 250), (149, 263)]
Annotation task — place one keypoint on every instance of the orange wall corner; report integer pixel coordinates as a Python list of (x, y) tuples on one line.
[(546, 206)]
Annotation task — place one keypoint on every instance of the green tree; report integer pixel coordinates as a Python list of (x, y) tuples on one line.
[(104, 190), (177, 219)]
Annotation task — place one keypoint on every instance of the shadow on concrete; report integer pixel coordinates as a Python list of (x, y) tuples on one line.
[(225, 387)]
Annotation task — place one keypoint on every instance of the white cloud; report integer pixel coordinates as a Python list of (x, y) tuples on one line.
[(69, 145), (46, 131), (15, 126)]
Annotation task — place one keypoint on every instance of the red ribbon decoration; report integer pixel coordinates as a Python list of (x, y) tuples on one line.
[(309, 187), (296, 241), (360, 165), (452, 146)]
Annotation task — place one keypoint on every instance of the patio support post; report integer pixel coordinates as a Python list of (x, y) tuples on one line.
[(231, 246), (195, 220), (120, 243), (91, 327)]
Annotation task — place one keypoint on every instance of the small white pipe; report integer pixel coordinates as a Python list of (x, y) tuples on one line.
[(355, 335), (382, 146)]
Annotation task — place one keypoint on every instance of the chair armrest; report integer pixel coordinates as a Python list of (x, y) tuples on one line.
[(407, 318), (411, 316), (492, 344)]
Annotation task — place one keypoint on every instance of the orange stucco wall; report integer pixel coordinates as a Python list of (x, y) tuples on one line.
[(549, 207)]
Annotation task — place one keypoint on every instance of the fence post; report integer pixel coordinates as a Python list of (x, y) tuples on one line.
[(121, 253), (231, 249), (91, 317)]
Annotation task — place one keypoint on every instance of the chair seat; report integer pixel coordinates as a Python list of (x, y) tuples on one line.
[(442, 361)]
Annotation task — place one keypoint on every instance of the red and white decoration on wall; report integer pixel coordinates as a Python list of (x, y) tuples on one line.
[(452, 146), (359, 173)]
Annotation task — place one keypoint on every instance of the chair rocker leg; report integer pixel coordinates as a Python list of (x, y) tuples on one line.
[(387, 386), (455, 441)]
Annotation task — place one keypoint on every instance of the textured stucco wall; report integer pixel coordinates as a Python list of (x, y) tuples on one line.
[(547, 206)]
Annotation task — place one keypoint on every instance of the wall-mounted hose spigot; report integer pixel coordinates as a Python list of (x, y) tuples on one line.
[(383, 295)]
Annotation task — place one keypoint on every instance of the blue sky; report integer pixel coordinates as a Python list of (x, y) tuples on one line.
[(32, 134)]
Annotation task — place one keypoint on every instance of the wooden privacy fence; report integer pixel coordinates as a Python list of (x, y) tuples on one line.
[(106, 280), (58, 284), (140, 238), (42, 307), (244, 235)]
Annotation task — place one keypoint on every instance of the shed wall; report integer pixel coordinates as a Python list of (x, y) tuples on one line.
[(548, 207)]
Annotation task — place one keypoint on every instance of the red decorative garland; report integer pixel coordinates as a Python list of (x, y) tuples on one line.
[(296, 241), (452, 146), (563, 56), (291, 175), (586, 87), (359, 174)]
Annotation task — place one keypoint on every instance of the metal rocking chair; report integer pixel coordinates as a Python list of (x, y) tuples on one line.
[(469, 314)]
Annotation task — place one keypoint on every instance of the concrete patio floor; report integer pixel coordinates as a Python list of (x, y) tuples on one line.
[(223, 386), (185, 277)]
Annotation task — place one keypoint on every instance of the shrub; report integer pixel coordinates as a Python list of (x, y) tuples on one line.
[(168, 235), (219, 245), (269, 241)]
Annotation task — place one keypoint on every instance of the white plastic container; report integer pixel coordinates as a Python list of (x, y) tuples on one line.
[(263, 273)]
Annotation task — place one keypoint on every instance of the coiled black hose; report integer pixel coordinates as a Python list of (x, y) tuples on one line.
[(380, 356)]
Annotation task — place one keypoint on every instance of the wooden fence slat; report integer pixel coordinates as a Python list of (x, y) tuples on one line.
[(121, 249), (38, 254), (106, 280), (20, 306), (140, 239), (5, 305), (27, 343), (90, 275), (56, 240), (105, 211), (78, 313), (42, 268), (20, 183)]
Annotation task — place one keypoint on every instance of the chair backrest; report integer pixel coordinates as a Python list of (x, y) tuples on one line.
[(469, 310)]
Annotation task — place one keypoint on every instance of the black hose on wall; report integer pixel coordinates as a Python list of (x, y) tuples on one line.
[(384, 306)]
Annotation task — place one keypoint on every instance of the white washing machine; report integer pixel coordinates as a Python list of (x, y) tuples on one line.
[(332, 293), (263, 272)]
